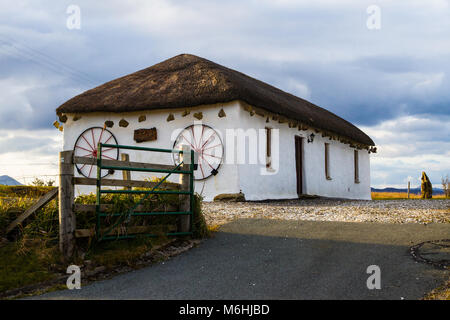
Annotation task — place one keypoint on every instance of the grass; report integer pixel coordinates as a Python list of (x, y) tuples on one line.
[(34, 256), (23, 191), (441, 293), (29, 262), (400, 195), (11, 207), (19, 268), (123, 252)]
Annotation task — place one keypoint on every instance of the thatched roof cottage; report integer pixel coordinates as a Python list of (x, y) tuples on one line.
[(301, 148)]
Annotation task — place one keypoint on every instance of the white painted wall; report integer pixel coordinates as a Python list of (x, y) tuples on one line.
[(233, 178), (226, 181), (284, 183)]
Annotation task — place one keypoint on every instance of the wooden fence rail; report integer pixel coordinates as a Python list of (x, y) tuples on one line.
[(67, 208), (49, 196)]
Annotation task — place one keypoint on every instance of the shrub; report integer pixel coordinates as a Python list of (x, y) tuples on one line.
[(24, 191), (200, 228)]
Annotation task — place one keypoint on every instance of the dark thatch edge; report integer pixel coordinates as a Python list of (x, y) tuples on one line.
[(188, 81)]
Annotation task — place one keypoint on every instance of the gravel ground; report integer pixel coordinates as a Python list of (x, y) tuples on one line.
[(384, 211)]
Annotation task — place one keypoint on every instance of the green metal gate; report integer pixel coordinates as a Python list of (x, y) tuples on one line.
[(125, 216)]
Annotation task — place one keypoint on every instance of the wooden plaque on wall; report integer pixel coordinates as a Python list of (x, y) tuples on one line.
[(142, 135)]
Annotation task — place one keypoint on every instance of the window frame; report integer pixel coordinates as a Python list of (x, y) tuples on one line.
[(327, 161), (268, 147), (356, 165)]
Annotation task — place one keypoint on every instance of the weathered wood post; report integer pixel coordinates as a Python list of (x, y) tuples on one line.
[(185, 205), (67, 222), (126, 174)]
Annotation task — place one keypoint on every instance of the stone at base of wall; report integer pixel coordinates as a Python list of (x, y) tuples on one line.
[(232, 197)]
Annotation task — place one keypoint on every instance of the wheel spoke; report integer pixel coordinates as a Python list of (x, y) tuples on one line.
[(108, 139), (89, 155), (207, 154), (201, 168), (93, 140), (210, 147), (189, 142), (207, 162), (208, 140), (193, 137), (201, 136), (87, 142), (104, 155), (84, 149), (101, 134), (90, 170)]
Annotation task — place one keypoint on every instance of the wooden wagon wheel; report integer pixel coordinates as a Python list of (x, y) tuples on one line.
[(86, 146), (207, 143)]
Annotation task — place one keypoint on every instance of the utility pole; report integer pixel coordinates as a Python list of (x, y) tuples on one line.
[(409, 186)]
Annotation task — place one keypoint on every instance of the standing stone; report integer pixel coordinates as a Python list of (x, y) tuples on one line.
[(426, 187)]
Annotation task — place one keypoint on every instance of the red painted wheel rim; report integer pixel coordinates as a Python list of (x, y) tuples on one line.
[(207, 143), (86, 146)]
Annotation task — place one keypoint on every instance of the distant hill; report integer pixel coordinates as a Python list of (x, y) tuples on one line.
[(8, 181), (412, 190)]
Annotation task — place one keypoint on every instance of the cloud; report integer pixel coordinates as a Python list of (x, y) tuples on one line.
[(409, 145), (363, 76), (393, 82), (27, 154)]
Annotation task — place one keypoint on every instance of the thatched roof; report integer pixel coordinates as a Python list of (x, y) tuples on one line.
[(187, 80)]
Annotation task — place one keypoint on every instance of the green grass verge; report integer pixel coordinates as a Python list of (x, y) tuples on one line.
[(35, 257), (23, 191), (20, 268), (29, 262), (441, 293)]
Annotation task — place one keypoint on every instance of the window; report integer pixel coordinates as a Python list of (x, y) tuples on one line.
[(327, 161), (268, 147), (356, 166)]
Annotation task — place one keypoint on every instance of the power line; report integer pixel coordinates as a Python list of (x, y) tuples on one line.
[(45, 64), (45, 60), (44, 57), (30, 164), (52, 59), (40, 175)]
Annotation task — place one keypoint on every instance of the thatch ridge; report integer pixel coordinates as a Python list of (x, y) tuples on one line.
[(187, 81)]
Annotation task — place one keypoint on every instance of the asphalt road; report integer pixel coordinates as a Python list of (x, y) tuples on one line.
[(271, 259)]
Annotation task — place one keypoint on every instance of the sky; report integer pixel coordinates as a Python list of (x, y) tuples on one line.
[(382, 65)]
